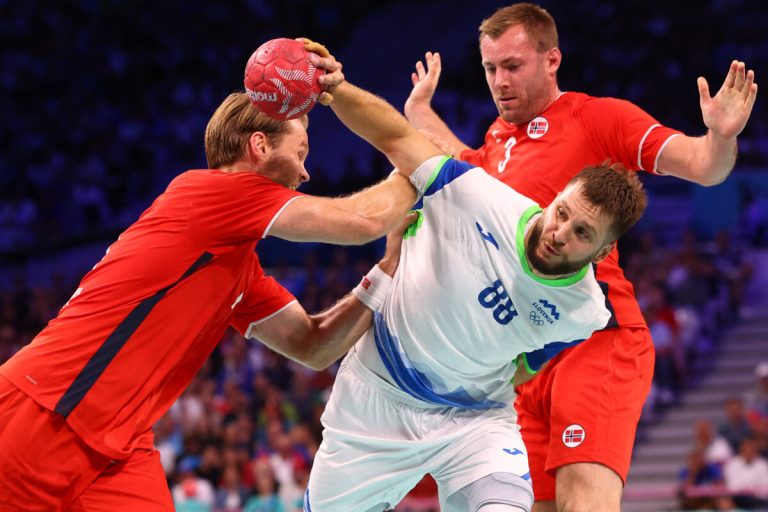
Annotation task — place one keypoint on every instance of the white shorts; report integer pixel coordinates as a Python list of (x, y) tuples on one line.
[(378, 443)]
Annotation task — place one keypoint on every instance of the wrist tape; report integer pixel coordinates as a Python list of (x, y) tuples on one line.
[(373, 288)]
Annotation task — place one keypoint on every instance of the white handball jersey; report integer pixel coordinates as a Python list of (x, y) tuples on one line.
[(464, 303)]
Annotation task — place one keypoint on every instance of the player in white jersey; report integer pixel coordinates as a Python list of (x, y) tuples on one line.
[(488, 283)]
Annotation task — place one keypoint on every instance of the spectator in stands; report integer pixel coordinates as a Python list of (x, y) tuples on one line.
[(746, 476), (733, 269), (192, 493), (756, 400), (265, 498), (701, 484), (283, 459), (735, 427), (231, 494), (714, 448), (668, 368)]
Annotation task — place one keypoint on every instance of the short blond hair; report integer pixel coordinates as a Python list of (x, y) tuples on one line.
[(231, 126), (537, 22)]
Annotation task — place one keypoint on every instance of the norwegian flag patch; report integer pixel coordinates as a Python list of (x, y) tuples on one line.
[(574, 435), (537, 127)]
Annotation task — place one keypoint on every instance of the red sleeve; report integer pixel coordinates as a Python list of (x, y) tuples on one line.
[(231, 208), (264, 298), (625, 131)]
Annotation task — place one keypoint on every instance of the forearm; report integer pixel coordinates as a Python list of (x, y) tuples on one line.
[(706, 160), (423, 117), (384, 203), (339, 327), (335, 331)]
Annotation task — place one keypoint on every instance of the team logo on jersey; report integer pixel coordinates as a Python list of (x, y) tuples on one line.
[(537, 127), (544, 311), (574, 435), (487, 235)]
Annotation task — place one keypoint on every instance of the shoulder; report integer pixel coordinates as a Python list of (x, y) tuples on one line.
[(603, 105)]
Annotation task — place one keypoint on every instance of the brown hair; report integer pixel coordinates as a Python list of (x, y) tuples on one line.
[(537, 22), (231, 126), (615, 191)]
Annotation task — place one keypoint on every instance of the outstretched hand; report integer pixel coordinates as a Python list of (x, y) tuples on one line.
[(728, 111), (322, 58), (424, 81), (391, 259)]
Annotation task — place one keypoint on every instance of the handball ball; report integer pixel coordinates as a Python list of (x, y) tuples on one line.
[(280, 81)]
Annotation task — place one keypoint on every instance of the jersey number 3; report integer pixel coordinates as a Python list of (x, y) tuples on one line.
[(496, 297)]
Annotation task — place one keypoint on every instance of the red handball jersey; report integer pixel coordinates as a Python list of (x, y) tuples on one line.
[(144, 320), (538, 158)]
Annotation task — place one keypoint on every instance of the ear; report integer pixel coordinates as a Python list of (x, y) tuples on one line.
[(258, 146), (604, 252), (553, 59)]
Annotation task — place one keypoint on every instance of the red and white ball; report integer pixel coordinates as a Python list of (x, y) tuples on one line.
[(280, 81)]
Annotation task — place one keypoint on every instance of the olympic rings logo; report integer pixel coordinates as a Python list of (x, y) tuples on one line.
[(536, 319)]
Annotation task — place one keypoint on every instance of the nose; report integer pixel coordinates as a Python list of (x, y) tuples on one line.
[(500, 79), (560, 235), (304, 175)]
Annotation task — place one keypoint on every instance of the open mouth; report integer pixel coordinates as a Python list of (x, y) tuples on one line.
[(550, 250)]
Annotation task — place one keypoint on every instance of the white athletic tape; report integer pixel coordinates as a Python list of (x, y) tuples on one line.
[(373, 288)]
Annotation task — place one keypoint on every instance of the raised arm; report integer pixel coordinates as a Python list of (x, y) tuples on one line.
[(372, 212), (418, 106), (376, 121), (708, 160), (318, 340)]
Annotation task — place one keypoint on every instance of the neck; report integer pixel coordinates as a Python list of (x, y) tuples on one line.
[(554, 93), (240, 166)]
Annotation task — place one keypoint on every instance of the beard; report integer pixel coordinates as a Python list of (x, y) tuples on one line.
[(284, 171), (559, 268)]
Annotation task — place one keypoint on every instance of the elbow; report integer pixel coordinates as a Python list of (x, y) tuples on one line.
[(316, 359), (315, 353), (711, 181), (319, 364), (367, 230)]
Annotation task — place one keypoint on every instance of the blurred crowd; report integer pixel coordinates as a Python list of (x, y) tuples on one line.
[(727, 466), (104, 101)]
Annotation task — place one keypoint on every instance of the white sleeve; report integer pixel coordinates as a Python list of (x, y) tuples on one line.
[(421, 177)]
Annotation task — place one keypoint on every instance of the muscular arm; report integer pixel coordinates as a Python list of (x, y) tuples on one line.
[(708, 160), (355, 219), (318, 340), (370, 213), (315, 340), (418, 106)]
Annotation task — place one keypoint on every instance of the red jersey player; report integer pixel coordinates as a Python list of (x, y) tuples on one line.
[(579, 431), (78, 402)]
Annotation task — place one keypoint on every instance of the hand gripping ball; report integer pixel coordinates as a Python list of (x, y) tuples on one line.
[(280, 81)]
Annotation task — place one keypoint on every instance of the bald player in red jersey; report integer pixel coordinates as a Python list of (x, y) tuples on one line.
[(77, 403), (579, 415)]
